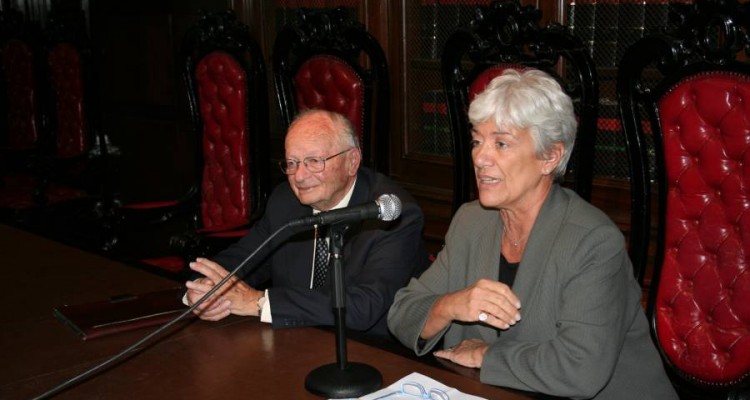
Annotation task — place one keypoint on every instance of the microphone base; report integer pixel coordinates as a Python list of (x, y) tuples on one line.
[(332, 382)]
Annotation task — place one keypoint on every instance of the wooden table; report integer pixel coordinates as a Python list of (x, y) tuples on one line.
[(235, 358)]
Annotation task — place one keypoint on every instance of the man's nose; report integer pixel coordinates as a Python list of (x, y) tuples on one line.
[(301, 173)]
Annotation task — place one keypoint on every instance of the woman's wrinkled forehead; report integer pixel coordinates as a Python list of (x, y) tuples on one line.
[(498, 125)]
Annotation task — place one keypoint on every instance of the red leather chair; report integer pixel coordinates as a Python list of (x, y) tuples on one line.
[(326, 60), (76, 155), (226, 85), (685, 98), (506, 35), (21, 120), (49, 120)]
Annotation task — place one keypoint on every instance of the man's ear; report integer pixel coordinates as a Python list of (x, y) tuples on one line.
[(353, 159)]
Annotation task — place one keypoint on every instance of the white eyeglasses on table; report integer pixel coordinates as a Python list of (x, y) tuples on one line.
[(416, 390)]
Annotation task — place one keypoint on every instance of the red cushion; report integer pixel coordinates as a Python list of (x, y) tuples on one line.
[(703, 300), (484, 78), (18, 64), (151, 205), (17, 192), (171, 264), (237, 234), (229, 228), (223, 107), (65, 68), (329, 83)]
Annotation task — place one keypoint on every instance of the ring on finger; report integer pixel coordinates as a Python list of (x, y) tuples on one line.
[(483, 316)]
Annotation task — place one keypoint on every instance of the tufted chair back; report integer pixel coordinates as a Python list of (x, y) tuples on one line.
[(20, 113), (696, 115), (222, 97), (328, 82), (328, 61), (75, 154), (505, 35), (23, 117), (66, 75)]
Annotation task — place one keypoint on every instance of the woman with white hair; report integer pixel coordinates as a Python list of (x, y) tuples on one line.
[(534, 285)]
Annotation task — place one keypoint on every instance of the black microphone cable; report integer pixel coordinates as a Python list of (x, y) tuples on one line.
[(135, 346)]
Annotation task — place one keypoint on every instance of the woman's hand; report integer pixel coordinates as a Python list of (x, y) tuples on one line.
[(469, 353), (490, 302), (486, 301)]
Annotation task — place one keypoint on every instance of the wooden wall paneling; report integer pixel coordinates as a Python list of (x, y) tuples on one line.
[(260, 16), (143, 104)]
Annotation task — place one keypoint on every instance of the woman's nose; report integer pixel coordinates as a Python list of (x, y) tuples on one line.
[(479, 155)]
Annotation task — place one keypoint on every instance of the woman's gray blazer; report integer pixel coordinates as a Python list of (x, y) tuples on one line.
[(582, 334)]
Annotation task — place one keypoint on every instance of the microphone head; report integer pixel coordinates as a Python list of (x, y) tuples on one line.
[(390, 207)]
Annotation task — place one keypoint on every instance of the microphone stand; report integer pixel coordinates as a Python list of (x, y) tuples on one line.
[(342, 379)]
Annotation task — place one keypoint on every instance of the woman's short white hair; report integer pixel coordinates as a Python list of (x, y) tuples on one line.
[(532, 100)]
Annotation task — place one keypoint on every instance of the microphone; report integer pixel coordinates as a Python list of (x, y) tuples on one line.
[(386, 208)]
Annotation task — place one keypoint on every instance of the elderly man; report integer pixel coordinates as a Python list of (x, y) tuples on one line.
[(322, 165)]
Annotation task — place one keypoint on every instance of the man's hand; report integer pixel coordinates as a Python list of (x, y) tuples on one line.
[(212, 309), (235, 297)]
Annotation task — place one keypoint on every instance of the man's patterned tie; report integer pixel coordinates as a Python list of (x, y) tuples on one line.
[(321, 260)]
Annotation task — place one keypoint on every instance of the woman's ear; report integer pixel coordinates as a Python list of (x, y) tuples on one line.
[(552, 158)]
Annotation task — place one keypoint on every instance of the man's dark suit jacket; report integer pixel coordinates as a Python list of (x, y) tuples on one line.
[(378, 259)]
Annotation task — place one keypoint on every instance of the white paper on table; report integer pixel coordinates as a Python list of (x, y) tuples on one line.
[(427, 382)]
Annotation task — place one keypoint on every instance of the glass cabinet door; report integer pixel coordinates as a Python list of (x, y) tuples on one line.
[(428, 23)]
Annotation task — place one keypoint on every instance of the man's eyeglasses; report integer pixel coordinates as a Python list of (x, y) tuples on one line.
[(313, 164), (415, 389)]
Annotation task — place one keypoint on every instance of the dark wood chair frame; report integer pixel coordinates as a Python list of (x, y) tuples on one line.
[(506, 34)]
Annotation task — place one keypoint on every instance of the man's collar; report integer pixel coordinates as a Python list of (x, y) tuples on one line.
[(345, 201)]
